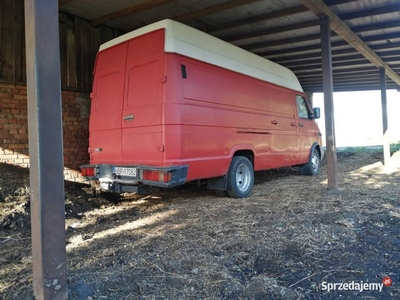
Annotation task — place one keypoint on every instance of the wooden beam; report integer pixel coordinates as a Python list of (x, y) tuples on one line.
[(213, 9), (320, 8), (128, 11)]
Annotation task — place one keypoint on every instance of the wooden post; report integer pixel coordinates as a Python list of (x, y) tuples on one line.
[(331, 158), (45, 149), (385, 140)]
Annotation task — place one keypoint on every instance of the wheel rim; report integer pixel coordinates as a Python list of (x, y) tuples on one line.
[(243, 177), (315, 161)]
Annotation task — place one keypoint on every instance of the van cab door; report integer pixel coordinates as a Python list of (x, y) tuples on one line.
[(284, 134), (307, 128), (142, 128)]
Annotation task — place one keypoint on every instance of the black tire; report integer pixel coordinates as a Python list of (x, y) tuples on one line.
[(221, 193), (313, 166), (240, 177)]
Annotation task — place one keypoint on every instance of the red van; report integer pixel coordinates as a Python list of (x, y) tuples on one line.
[(171, 104)]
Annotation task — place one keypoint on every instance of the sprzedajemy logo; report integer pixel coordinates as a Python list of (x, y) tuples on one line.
[(356, 286)]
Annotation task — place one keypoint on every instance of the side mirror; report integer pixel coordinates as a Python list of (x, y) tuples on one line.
[(317, 113)]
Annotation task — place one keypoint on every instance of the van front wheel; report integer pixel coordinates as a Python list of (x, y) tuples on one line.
[(240, 177), (314, 164)]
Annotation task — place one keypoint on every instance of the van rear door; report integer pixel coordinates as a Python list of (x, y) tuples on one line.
[(142, 109), (107, 102)]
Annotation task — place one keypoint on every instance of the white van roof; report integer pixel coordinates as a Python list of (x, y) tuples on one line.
[(185, 40)]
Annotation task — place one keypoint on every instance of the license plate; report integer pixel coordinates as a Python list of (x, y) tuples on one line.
[(125, 171)]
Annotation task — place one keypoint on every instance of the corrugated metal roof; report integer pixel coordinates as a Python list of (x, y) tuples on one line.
[(283, 31)]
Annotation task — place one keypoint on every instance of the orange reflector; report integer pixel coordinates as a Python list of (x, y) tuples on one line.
[(157, 176), (88, 172)]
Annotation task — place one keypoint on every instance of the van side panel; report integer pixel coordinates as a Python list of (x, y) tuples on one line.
[(106, 109), (224, 111)]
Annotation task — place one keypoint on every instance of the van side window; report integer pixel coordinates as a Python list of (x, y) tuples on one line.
[(302, 107)]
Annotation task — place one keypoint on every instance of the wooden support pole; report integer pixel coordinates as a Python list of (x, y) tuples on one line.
[(45, 150), (331, 158), (385, 126)]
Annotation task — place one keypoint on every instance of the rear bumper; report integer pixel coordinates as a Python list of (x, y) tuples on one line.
[(112, 181)]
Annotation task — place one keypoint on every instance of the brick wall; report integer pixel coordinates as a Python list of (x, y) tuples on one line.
[(14, 128)]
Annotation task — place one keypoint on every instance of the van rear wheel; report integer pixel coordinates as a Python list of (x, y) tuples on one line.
[(314, 164), (240, 177)]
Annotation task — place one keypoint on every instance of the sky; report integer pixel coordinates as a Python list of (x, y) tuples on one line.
[(358, 117)]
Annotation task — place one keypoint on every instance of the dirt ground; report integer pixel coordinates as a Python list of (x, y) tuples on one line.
[(283, 242)]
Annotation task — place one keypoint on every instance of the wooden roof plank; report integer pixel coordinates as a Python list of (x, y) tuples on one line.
[(306, 72), (335, 54), (314, 23), (128, 11), (213, 9), (269, 31), (311, 37), (349, 58), (315, 47), (273, 15)]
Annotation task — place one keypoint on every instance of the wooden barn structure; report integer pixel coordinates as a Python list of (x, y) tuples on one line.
[(48, 48)]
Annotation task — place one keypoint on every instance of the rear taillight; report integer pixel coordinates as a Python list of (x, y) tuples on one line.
[(88, 172), (157, 176)]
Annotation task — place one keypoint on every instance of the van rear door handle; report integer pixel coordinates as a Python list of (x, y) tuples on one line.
[(293, 124), (274, 122), (301, 125), (129, 117)]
